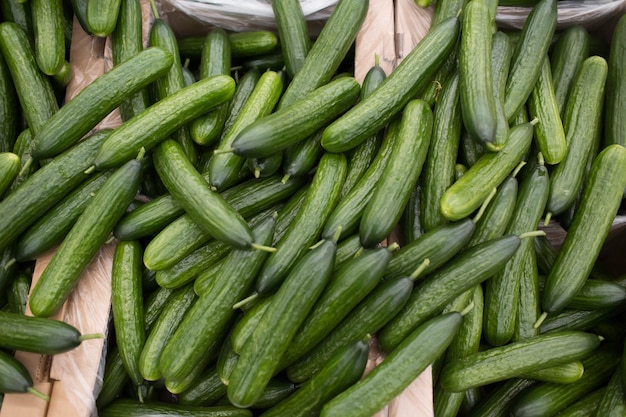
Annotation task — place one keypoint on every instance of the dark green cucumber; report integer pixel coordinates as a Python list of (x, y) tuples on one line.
[(350, 207), (373, 113), (529, 301), (369, 316), (50, 228), (569, 51), (126, 42), (393, 189), (582, 123), (438, 171), (34, 89), (616, 88), (130, 408), (272, 61), (114, 378), (162, 330), (306, 228), (38, 334), (127, 306), (14, 377), (398, 370), (98, 99), (18, 293), (301, 158), (501, 51), (600, 200), (549, 132), (343, 369), (498, 401), (329, 49), (478, 106), (503, 362), (295, 41), (502, 291), (265, 166), (470, 268), (469, 191), (215, 60), (18, 12), (291, 304), (291, 124), (410, 223), (348, 286), (47, 18), (613, 401), (22, 148), (206, 207), (160, 120), (47, 186), (82, 242), (9, 110), (471, 151), (585, 406), (224, 168), (227, 357), (213, 310), (101, 16), (528, 55), (208, 389), (10, 165)]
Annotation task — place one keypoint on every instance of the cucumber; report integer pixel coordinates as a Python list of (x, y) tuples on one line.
[(291, 304), (98, 99), (469, 191), (290, 124), (301, 158), (18, 293), (498, 401), (34, 89), (613, 401), (158, 121), (342, 370), (101, 16), (82, 242), (582, 124), (478, 106), (45, 187), (252, 43), (14, 377), (293, 32), (392, 191), (206, 207), (9, 109), (410, 222), (528, 55), (501, 51), (307, 226), (330, 48), (114, 378), (39, 334), (246, 84), (586, 406), (248, 322), (529, 301), (438, 171), (10, 165), (227, 358), (371, 114), (503, 362), (124, 407), (208, 389), (204, 281), (215, 60), (265, 166), (590, 226), (50, 229), (595, 294), (18, 12), (48, 31), (560, 374), (209, 315), (616, 88), (127, 306), (549, 132), (398, 370)]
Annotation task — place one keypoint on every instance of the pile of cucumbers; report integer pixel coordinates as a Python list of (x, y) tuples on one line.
[(274, 218)]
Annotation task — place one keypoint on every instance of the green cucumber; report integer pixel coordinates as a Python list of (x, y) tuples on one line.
[(503, 362), (10, 165), (301, 158), (50, 229), (291, 124), (124, 407), (342, 370), (82, 242), (392, 191), (215, 60), (206, 207), (227, 357), (498, 401), (39, 334), (398, 370), (582, 123), (528, 55), (101, 16), (295, 41), (616, 88), (208, 389), (265, 166), (158, 121), (373, 113), (14, 377), (501, 51), (478, 106), (565, 373), (613, 401), (204, 281), (593, 218), (438, 171), (410, 223), (529, 301), (114, 378), (45, 187), (209, 315), (246, 84), (18, 293), (469, 191), (34, 89), (307, 226), (595, 294), (48, 31), (252, 43), (127, 306), (18, 12), (291, 304), (9, 110), (584, 407), (98, 99), (248, 322)]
